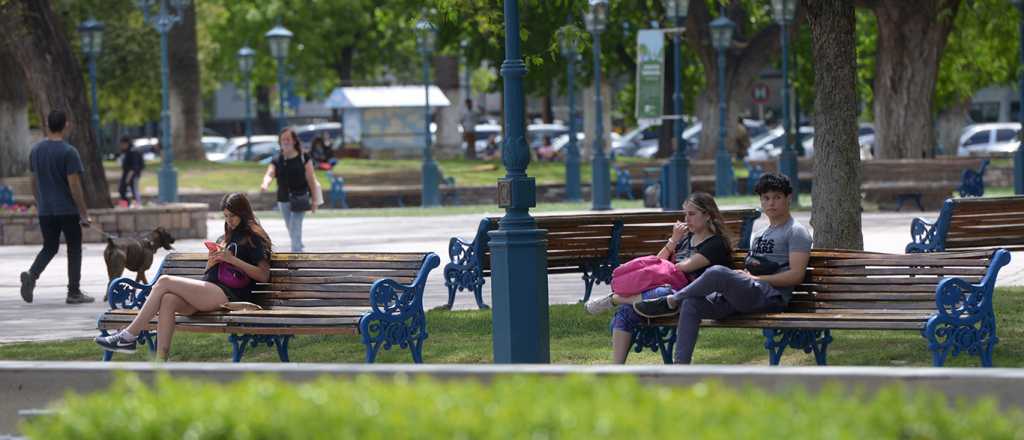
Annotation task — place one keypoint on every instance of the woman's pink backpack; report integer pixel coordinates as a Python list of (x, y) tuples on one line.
[(644, 273)]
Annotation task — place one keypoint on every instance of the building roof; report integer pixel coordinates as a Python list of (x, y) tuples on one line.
[(384, 97)]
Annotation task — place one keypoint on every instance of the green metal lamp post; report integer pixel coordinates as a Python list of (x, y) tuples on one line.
[(278, 37), (92, 44), (679, 166), (518, 249), (784, 11), (163, 20), (572, 150), (246, 57), (721, 38), (431, 174), (600, 182), (1018, 157)]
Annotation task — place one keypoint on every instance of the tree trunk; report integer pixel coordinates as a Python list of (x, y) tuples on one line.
[(14, 132), (264, 117), (911, 38), (54, 79), (836, 212), (744, 63), (186, 103), (343, 65)]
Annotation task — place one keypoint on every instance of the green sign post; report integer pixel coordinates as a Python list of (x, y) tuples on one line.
[(650, 78)]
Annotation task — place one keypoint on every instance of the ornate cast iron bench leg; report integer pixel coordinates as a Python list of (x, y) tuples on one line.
[(655, 338), (816, 341), (241, 343)]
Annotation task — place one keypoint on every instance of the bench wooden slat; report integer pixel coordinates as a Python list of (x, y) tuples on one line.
[(229, 329), (346, 264), (932, 281), (879, 271), (922, 288), (291, 294), (262, 320), (903, 305), (920, 260)]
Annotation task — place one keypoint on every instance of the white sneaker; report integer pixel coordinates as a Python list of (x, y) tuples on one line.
[(600, 305)]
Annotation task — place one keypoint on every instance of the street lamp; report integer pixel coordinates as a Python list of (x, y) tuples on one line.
[(600, 182), (278, 38), (679, 166), (721, 38), (572, 156), (1018, 157), (431, 175), (519, 280), (464, 47), (163, 20), (245, 61), (92, 44), (784, 10)]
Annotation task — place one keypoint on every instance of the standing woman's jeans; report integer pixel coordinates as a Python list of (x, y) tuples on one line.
[(293, 221)]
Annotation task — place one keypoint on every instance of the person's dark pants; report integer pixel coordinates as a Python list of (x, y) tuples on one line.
[(53, 226), (719, 292), (129, 181)]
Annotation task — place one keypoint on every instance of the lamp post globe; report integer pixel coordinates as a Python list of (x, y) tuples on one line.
[(246, 58), (163, 19), (596, 19), (678, 178), (279, 38), (783, 12), (1018, 157), (567, 47), (721, 38), (91, 33), (426, 35)]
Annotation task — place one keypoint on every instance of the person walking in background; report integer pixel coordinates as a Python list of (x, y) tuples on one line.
[(293, 170), (131, 170), (57, 187), (469, 121), (742, 139)]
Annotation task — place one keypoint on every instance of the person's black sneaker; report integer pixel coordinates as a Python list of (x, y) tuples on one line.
[(654, 308), (116, 343), (78, 297), (28, 284)]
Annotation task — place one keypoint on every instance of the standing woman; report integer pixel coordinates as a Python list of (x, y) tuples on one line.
[(295, 185), (245, 246)]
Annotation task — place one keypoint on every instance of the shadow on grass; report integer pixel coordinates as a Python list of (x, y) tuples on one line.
[(576, 338)]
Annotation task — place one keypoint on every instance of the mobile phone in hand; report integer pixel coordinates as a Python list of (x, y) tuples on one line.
[(213, 247)]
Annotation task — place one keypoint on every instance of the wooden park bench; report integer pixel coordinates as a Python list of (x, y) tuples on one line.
[(379, 295), (971, 223), (591, 244), (947, 297)]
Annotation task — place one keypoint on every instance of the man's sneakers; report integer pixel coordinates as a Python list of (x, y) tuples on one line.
[(117, 342), (654, 308), (600, 305), (28, 284), (78, 297)]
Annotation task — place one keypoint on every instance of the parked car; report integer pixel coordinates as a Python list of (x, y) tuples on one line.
[(234, 149), (483, 133), (535, 133), (769, 145), (986, 139), (327, 130), (560, 142)]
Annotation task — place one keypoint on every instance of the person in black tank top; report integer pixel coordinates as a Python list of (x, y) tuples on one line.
[(695, 245), (293, 170), (173, 294)]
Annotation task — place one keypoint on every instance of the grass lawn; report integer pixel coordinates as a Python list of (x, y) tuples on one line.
[(213, 176), (576, 338)]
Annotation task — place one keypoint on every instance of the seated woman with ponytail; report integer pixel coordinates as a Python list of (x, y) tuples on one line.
[(243, 254), (695, 245)]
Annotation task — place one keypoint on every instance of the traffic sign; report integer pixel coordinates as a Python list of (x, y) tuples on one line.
[(760, 93)]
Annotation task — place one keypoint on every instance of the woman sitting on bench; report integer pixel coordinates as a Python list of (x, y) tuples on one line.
[(696, 244), (245, 246)]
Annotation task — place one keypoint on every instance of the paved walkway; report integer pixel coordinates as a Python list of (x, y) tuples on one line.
[(48, 318)]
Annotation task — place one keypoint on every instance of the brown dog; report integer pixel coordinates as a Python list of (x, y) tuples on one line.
[(135, 254)]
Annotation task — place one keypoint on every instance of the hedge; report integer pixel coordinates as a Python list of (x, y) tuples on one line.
[(512, 407)]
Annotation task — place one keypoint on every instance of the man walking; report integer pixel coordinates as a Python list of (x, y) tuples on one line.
[(57, 186)]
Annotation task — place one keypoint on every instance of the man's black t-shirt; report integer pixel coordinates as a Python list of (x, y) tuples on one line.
[(252, 250), (714, 248)]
